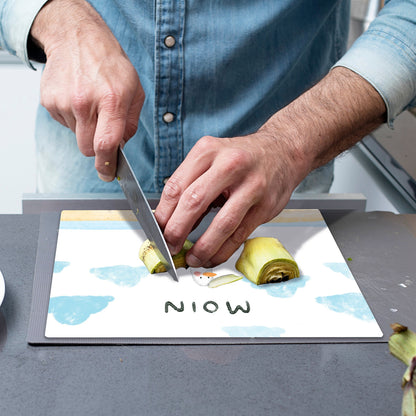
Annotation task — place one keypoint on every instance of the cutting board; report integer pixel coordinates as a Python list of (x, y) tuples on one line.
[(101, 289)]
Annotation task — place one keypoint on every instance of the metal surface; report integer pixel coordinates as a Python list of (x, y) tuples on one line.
[(39, 203), (393, 153), (141, 209)]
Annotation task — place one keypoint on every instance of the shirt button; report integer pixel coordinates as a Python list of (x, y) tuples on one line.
[(165, 181), (168, 117), (170, 41)]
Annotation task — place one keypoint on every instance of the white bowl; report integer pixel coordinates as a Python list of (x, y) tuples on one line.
[(2, 288)]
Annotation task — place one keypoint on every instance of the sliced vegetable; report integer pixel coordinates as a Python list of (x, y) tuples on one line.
[(148, 256), (265, 260), (402, 344), (224, 280)]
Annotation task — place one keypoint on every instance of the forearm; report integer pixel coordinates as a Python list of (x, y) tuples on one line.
[(63, 21), (385, 55), (329, 118), (81, 85)]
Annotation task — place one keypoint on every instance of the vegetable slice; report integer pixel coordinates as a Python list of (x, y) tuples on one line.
[(265, 260), (148, 256), (223, 280)]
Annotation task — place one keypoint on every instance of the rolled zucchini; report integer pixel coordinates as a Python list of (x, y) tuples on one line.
[(265, 260)]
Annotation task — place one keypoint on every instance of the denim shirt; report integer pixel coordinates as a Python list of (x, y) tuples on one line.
[(219, 68)]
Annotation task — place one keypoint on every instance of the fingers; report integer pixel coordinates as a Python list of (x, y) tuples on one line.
[(56, 101), (220, 253), (89, 97), (204, 177), (195, 164), (194, 202), (115, 125), (241, 170), (227, 231), (100, 124)]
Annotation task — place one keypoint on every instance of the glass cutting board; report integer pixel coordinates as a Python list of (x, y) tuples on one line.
[(101, 289)]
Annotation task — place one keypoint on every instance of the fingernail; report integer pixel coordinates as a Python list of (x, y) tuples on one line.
[(172, 250), (105, 178), (193, 261)]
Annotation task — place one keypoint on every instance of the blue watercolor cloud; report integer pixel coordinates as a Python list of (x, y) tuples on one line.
[(283, 289), (351, 303), (60, 265), (253, 331), (74, 310), (122, 275), (340, 268)]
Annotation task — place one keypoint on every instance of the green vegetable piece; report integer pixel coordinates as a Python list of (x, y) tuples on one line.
[(224, 280), (402, 344), (148, 256), (265, 260)]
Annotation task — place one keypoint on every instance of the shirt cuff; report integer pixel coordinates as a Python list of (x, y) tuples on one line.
[(17, 21), (388, 65)]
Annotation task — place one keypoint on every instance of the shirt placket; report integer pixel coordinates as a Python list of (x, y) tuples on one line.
[(168, 138)]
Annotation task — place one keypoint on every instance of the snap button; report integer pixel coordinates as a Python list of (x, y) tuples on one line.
[(170, 41), (168, 117)]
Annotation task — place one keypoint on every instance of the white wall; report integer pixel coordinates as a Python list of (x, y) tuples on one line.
[(19, 95)]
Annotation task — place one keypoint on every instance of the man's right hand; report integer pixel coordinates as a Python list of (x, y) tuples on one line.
[(88, 83)]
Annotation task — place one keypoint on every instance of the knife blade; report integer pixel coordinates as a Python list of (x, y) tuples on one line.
[(141, 209)]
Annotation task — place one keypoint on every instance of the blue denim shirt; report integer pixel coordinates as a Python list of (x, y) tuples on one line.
[(231, 65)]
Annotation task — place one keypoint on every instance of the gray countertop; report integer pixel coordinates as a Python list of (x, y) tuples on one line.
[(281, 379)]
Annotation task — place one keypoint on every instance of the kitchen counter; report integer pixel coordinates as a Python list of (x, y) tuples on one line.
[(290, 379)]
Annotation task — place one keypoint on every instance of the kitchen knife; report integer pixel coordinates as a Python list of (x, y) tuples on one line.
[(141, 209)]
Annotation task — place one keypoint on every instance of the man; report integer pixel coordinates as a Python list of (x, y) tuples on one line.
[(220, 91)]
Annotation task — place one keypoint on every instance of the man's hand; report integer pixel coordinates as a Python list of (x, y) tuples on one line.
[(88, 83), (257, 174)]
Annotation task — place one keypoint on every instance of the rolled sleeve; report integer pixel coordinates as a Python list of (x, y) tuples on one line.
[(385, 55), (16, 19)]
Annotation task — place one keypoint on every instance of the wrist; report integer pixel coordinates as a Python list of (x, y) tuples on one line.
[(328, 119), (284, 141), (287, 140)]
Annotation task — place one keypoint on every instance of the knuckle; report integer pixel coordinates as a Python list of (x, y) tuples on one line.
[(49, 101), (203, 249), (259, 185), (226, 224), (237, 163), (112, 101), (172, 235), (105, 143), (173, 189), (56, 105), (239, 236), (239, 160), (205, 144), (45, 100), (81, 103), (193, 199)]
